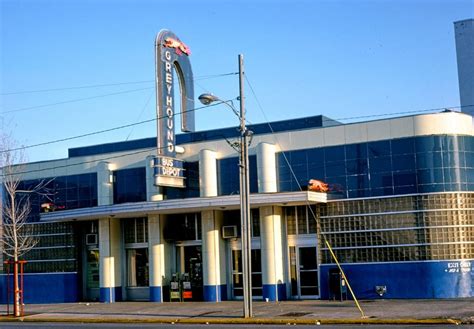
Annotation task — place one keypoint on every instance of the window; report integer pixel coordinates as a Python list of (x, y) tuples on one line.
[(232, 217), (135, 230), (183, 227), (422, 165), (62, 193), (129, 185), (228, 175), (55, 251), (300, 220), (425, 227)]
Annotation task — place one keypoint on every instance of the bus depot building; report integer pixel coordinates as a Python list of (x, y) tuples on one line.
[(398, 215)]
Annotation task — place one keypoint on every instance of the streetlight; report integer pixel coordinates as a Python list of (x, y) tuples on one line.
[(242, 147)]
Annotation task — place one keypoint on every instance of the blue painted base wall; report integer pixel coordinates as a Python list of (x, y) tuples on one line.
[(438, 279), (45, 288), (270, 291), (156, 294), (215, 293), (110, 295)]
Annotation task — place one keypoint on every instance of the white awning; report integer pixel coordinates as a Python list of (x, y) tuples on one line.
[(175, 206)]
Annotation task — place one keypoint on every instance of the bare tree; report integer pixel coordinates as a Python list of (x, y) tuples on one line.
[(16, 236)]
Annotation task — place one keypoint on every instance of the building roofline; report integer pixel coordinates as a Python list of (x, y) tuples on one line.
[(464, 20), (302, 123)]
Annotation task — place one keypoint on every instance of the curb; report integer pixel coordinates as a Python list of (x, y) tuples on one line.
[(236, 320)]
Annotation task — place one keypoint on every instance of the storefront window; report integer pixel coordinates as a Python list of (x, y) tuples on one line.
[(183, 227), (136, 230)]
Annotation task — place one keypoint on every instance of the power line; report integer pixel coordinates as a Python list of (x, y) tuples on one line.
[(141, 112), (258, 103), (83, 162), (400, 113), (102, 131), (212, 76), (76, 100), (371, 115), (74, 88), (203, 77)]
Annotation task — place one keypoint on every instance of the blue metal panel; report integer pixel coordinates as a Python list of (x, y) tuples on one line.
[(270, 291), (46, 288), (433, 279), (156, 294), (215, 293), (110, 295)]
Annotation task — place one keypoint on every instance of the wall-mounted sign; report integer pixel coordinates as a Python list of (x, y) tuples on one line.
[(172, 55), (169, 172), (459, 267)]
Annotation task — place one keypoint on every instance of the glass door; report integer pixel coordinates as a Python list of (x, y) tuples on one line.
[(189, 260), (308, 272), (304, 272), (237, 275), (92, 274)]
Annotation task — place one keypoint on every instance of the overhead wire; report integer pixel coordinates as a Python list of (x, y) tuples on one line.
[(141, 113), (248, 121), (75, 100), (103, 131), (74, 88), (397, 113), (83, 162), (203, 77), (195, 109)]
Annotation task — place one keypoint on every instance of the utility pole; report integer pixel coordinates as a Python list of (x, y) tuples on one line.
[(242, 147), (244, 200)]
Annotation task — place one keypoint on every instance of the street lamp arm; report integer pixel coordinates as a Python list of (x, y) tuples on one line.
[(207, 99)]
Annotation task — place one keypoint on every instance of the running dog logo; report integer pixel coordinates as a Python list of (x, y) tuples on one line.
[(317, 186), (179, 46)]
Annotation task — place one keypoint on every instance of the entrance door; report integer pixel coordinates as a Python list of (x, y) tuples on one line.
[(237, 274), (304, 272), (190, 263), (91, 274)]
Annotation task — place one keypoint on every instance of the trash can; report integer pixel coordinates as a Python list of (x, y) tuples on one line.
[(337, 285)]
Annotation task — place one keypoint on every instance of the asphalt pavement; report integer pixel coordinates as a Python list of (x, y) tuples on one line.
[(447, 311)]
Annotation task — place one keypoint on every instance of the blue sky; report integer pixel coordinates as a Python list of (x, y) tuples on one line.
[(341, 59)]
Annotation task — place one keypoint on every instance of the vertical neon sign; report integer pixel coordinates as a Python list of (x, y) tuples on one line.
[(171, 53)]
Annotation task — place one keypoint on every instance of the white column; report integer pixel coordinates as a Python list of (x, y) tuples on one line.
[(266, 168), (157, 258), (110, 270), (213, 257), (104, 184), (153, 192), (274, 287), (207, 173)]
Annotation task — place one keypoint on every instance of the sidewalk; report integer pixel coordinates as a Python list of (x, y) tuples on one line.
[(453, 311)]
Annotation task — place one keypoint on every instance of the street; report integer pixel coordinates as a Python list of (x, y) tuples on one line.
[(50, 325)]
